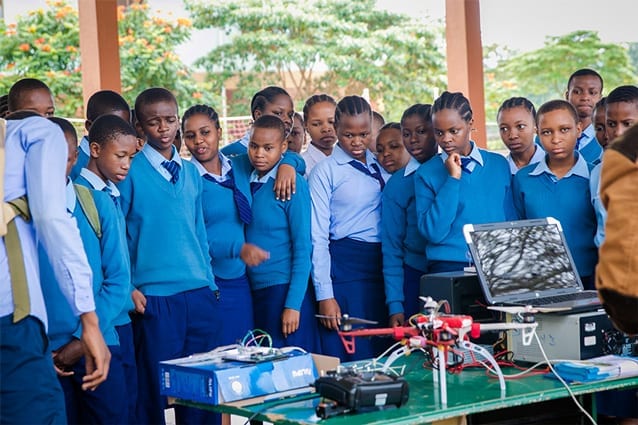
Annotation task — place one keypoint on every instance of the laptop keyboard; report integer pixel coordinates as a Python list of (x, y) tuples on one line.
[(560, 298)]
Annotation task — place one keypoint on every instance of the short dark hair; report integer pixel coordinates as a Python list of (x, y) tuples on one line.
[(20, 87), (423, 110), (298, 116), (378, 117), (4, 105), (271, 122), (153, 95), (623, 94), (582, 73), (209, 111), (66, 126), (314, 99), (107, 128), (391, 125), (105, 102), (265, 96), (556, 105)]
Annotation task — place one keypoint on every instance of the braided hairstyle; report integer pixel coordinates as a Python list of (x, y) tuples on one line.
[(314, 99), (209, 111), (517, 102), (264, 97), (423, 110), (455, 101), (352, 106)]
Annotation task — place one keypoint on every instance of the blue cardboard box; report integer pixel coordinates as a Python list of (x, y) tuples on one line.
[(213, 380)]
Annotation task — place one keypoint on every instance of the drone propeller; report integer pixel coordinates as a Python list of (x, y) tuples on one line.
[(347, 320), (527, 309)]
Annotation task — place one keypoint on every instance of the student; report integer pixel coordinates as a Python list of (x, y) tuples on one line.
[(450, 187), (391, 152), (345, 190), (285, 310), (598, 120), (35, 157), (272, 100), (403, 246), (377, 122), (100, 103), (30, 94), (558, 186), (297, 137), (584, 90), (113, 145), (226, 210), (170, 264), (516, 118), (319, 114), (111, 280)]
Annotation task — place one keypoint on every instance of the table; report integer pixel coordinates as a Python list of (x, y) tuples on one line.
[(471, 391)]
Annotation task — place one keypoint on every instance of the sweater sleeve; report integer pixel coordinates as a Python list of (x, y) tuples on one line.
[(436, 208), (200, 228), (393, 231), (518, 196)]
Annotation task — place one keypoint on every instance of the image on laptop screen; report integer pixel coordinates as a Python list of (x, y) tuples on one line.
[(523, 257)]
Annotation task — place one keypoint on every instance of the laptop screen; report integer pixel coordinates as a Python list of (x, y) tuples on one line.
[(522, 258)]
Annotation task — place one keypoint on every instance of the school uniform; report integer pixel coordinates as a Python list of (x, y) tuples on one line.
[(402, 245), (312, 156), (539, 155), (122, 322), (539, 193), (346, 240), (238, 147), (84, 154), (599, 208), (225, 232), (589, 147), (111, 283), (445, 204), (171, 266), (36, 155)]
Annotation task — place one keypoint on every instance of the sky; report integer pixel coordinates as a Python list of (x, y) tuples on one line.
[(522, 25)]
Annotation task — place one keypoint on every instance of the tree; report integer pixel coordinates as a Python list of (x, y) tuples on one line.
[(335, 46), (44, 44), (542, 74)]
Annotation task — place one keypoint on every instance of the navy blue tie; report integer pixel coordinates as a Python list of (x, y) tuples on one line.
[(110, 193), (243, 207), (376, 175), (465, 164), (173, 168), (255, 186)]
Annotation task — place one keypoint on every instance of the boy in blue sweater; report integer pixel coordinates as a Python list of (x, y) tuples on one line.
[(111, 280), (162, 202), (461, 185), (279, 284), (100, 103), (558, 186), (112, 148)]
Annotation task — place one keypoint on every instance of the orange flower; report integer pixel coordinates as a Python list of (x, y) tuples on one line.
[(46, 48), (184, 22), (71, 49), (11, 65), (24, 47), (39, 40), (197, 95), (168, 29)]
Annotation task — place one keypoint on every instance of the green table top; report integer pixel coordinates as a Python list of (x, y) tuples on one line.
[(470, 391)]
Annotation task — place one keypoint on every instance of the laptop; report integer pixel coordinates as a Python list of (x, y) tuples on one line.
[(527, 262)]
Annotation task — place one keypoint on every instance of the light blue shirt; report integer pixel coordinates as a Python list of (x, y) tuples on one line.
[(38, 145), (539, 155), (587, 136), (156, 159), (580, 169), (599, 208), (411, 166), (346, 203), (226, 167), (272, 174), (475, 154), (98, 183), (84, 146)]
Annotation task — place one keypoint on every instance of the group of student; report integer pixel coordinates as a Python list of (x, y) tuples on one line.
[(189, 255)]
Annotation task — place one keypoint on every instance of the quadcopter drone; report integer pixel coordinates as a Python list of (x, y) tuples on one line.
[(438, 334)]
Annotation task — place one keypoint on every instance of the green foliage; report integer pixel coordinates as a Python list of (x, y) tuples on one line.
[(44, 44), (334, 46)]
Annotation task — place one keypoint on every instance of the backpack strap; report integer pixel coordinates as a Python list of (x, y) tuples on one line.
[(87, 203)]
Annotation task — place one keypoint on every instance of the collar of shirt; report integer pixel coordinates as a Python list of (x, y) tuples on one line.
[(411, 166), (586, 137), (343, 158), (314, 152), (539, 155), (475, 154), (98, 183), (226, 167), (272, 174), (156, 159), (71, 198), (245, 139), (580, 168), (84, 146)]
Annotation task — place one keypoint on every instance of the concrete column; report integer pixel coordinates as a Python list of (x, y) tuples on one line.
[(99, 46), (465, 58)]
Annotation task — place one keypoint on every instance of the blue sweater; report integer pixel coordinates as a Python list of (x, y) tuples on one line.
[(234, 149), (592, 152), (567, 200), (283, 229), (82, 162), (445, 204), (123, 318), (165, 230), (401, 241), (111, 276)]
